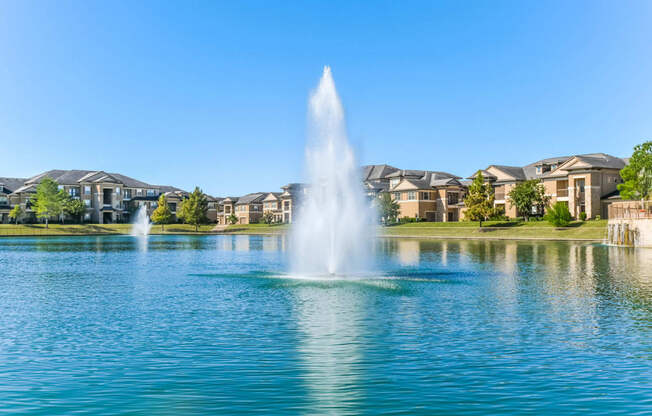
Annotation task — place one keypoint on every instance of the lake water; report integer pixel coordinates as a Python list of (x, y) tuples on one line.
[(210, 324)]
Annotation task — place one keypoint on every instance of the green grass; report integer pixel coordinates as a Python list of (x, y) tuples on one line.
[(91, 229), (590, 230), (257, 229)]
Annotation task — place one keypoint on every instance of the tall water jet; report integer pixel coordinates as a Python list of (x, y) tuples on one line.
[(333, 232), (141, 224)]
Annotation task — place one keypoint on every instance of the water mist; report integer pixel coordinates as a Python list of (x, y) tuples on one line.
[(141, 225), (334, 231)]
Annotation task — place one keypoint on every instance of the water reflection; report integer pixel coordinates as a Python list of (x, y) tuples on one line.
[(330, 346)]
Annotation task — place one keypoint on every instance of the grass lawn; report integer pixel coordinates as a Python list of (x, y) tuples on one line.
[(257, 229), (590, 230), (91, 229)]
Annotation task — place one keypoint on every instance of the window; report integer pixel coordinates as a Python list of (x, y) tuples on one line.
[(256, 207), (553, 167), (4, 200), (286, 205), (453, 198), (87, 190), (127, 194), (139, 192), (154, 204), (539, 170), (87, 217), (151, 192), (412, 195), (397, 196), (87, 202), (74, 192), (117, 190), (394, 182), (425, 196), (173, 206)]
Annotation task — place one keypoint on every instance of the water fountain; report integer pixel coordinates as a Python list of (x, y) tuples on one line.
[(333, 232), (141, 225)]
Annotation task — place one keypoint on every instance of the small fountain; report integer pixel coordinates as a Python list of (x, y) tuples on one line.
[(335, 225), (141, 225)]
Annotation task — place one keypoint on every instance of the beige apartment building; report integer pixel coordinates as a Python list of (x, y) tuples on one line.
[(109, 197), (428, 195), (248, 209), (587, 183)]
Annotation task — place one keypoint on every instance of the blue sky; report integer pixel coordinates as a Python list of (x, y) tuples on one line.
[(214, 93)]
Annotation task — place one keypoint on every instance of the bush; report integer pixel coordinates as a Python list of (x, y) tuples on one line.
[(405, 220), (559, 215), (583, 216), (598, 218)]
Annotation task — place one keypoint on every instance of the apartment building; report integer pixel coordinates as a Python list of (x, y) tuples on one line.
[(587, 183), (7, 187), (285, 205), (428, 195), (226, 208), (248, 209), (109, 197)]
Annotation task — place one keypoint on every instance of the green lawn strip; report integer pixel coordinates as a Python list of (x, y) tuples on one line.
[(590, 230), (543, 231), (256, 229), (91, 229)]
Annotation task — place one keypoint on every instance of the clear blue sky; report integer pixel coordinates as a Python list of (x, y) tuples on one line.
[(214, 93)]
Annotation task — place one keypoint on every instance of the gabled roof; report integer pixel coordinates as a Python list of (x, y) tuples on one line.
[(410, 183), (75, 177), (9, 185), (214, 198), (515, 172), (485, 175), (229, 199), (375, 172), (253, 198), (273, 196)]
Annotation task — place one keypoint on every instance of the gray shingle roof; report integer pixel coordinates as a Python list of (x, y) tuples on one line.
[(514, 171), (10, 185), (252, 198), (374, 172)]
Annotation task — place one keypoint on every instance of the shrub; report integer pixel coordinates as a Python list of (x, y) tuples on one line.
[(598, 218), (405, 220), (559, 215), (583, 216)]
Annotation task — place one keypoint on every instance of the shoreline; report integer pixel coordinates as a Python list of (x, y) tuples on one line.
[(391, 236)]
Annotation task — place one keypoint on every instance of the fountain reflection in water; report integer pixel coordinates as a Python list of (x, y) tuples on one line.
[(333, 232), (141, 225)]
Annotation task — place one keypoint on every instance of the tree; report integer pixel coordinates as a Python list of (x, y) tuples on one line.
[(162, 214), (194, 209), (49, 200), (637, 175), (388, 208), (479, 201), (559, 215), (232, 219), (75, 208), (268, 218), (527, 195), (16, 213)]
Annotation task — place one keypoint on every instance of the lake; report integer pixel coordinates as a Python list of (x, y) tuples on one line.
[(213, 324)]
